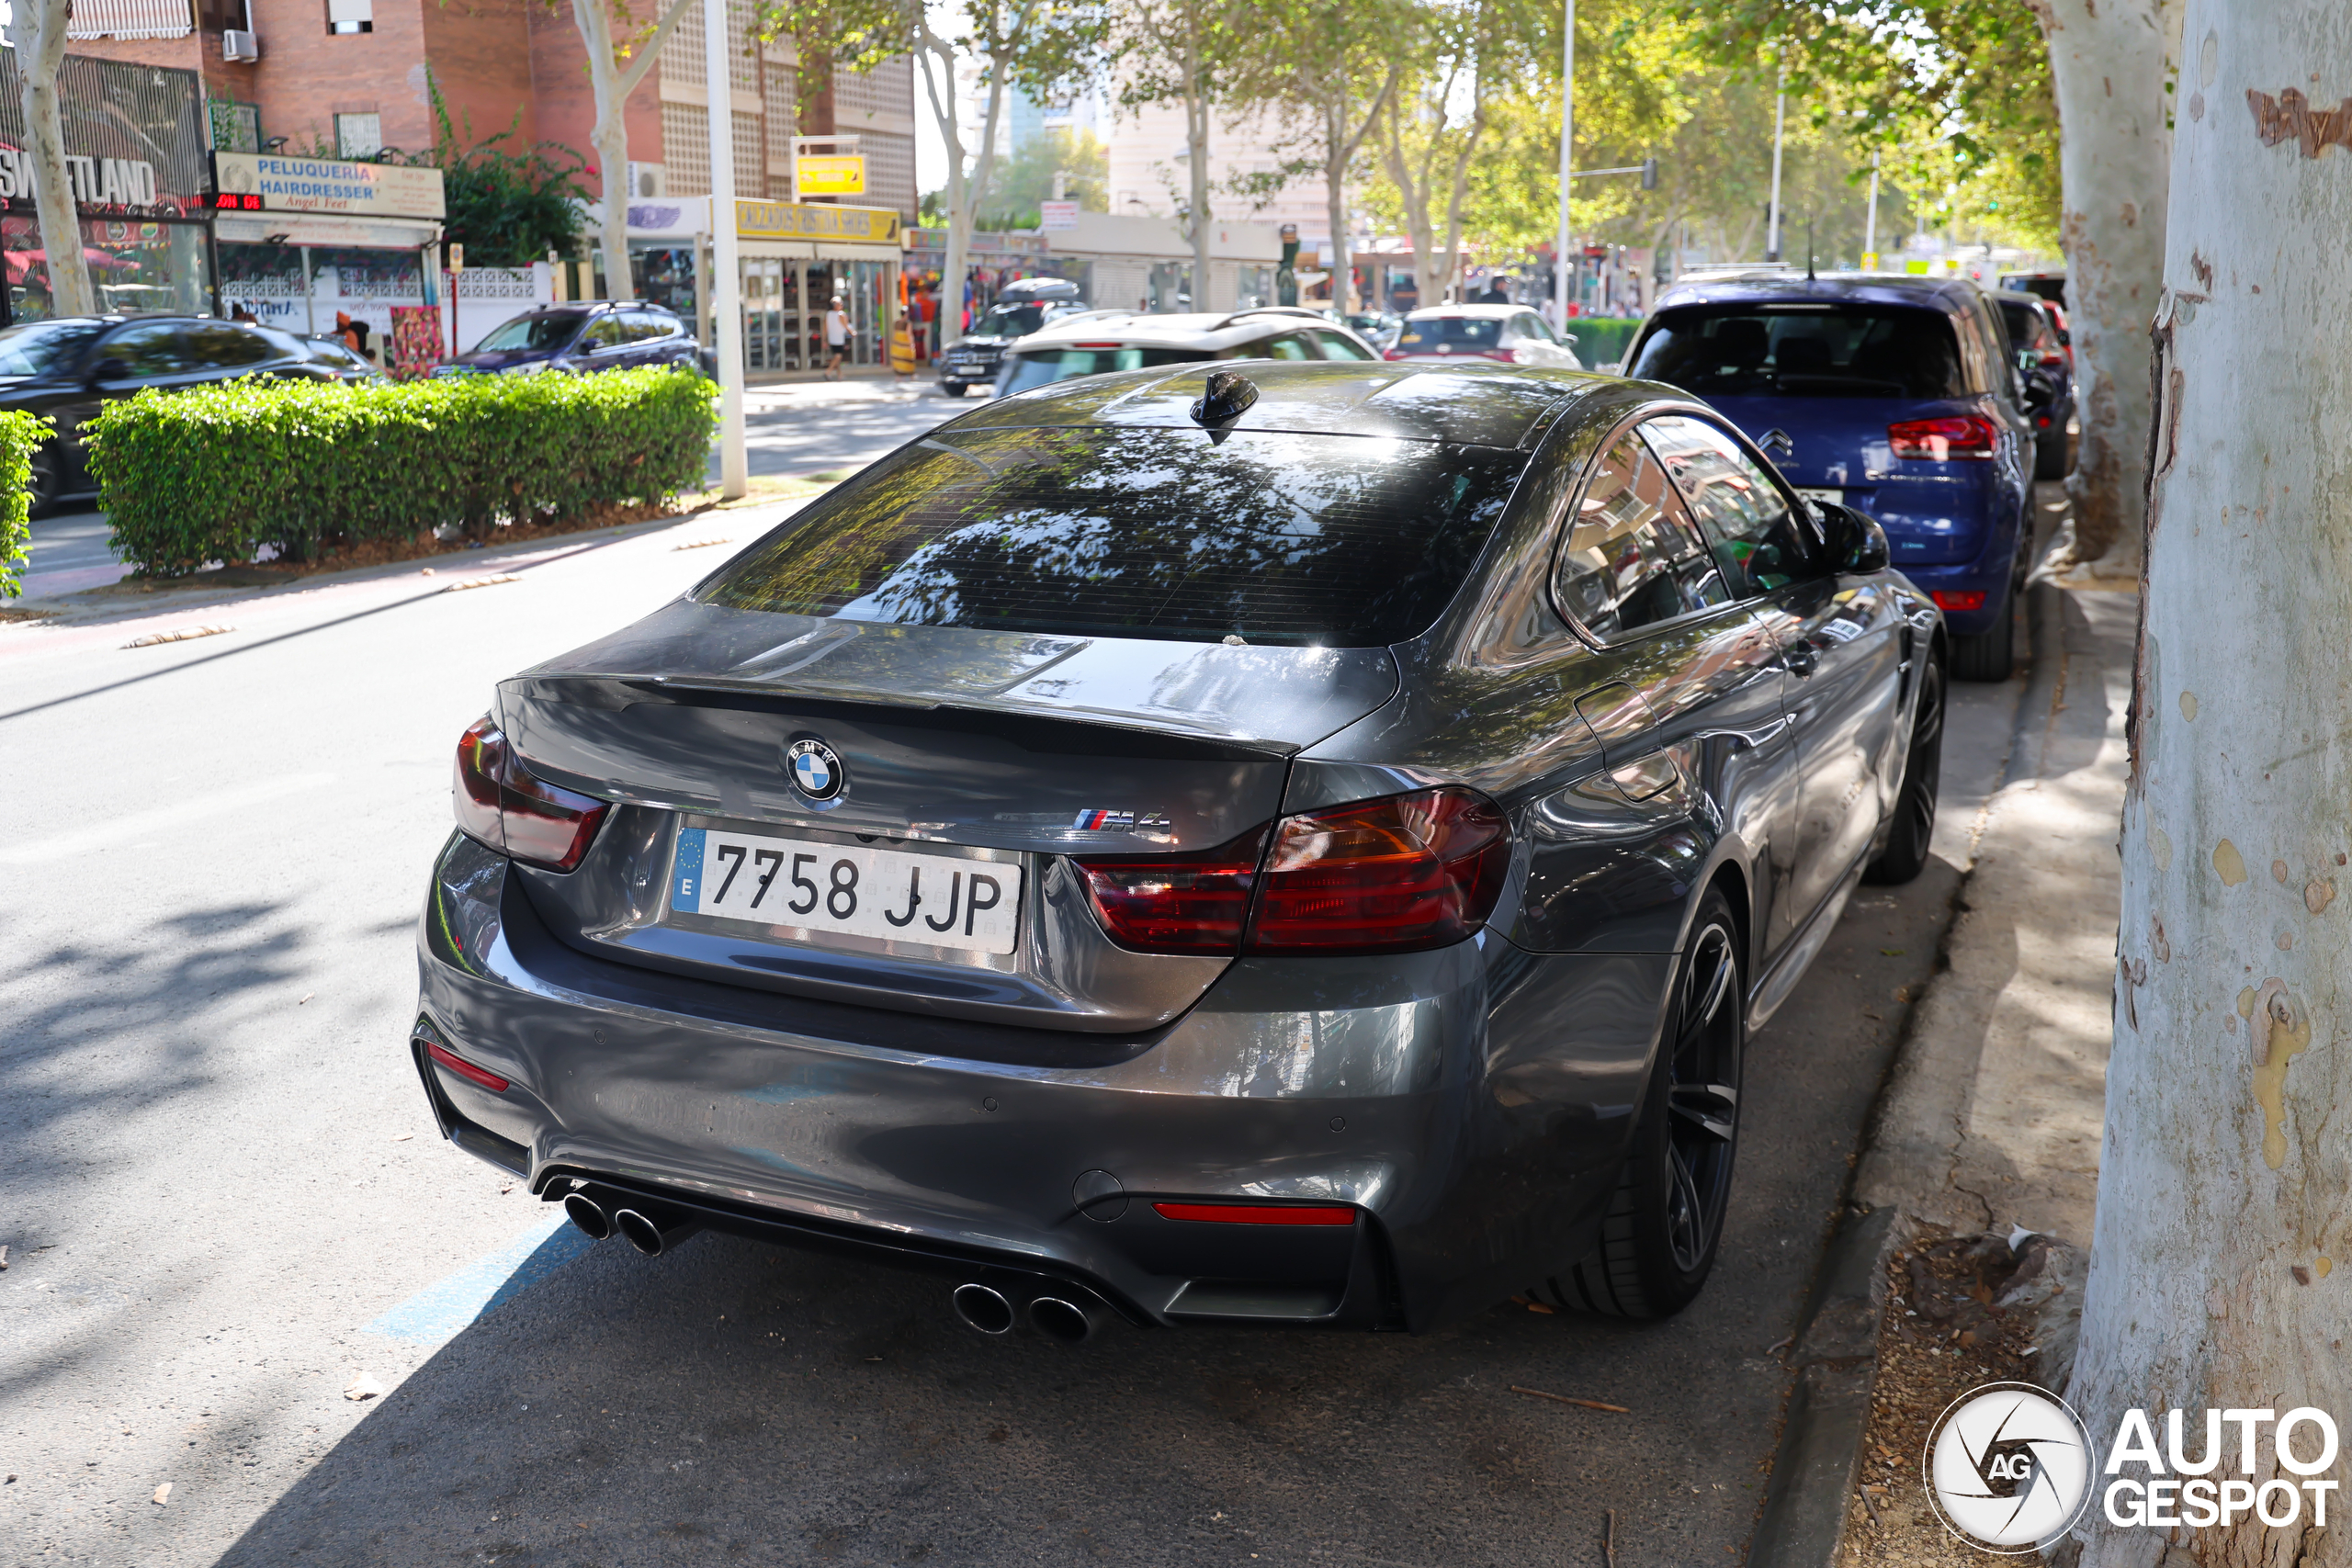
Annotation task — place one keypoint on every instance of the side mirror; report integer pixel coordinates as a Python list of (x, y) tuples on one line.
[(1857, 544), (109, 370)]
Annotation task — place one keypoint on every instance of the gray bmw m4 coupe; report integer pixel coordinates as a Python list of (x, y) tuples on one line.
[(1277, 842)]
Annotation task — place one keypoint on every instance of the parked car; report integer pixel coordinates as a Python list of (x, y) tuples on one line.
[(341, 360), (1102, 340), (1894, 395), (1512, 334), (1293, 844), (1378, 328), (1022, 307), (2047, 361), (67, 367), (2050, 286), (591, 334)]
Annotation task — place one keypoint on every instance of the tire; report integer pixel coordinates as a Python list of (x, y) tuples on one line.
[(1986, 655), (2050, 454), (953, 389), (46, 484), (1905, 854), (1666, 1219)]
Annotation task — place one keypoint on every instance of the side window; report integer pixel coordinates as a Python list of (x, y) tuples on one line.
[(1631, 559), (221, 346), (1337, 346), (1289, 348), (605, 331), (1755, 533), (148, 351), (652, 326), (1534, 326)]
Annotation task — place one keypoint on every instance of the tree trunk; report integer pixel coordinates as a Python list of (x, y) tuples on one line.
[(936, 55), (1336, 150), (38, 28), (2107, 58), (610, 139), (2223, 1189), (1196, 144)]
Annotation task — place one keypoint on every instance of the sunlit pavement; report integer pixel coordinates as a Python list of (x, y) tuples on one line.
[(226, 1202)]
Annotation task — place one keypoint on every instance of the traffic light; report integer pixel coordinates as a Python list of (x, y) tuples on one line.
[(1649, 173)]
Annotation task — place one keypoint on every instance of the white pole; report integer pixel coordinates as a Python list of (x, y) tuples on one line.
[(1560, 272), (1780, 105), (727, 281), (1870, 226)]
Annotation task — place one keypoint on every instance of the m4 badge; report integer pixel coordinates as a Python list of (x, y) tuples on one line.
[(1098, 821)]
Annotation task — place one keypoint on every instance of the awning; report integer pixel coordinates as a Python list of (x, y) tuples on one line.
[(305, 228)]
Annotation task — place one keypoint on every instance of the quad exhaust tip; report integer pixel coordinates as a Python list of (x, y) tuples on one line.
[(984, 1307), (652, 1234), (588, 1216)]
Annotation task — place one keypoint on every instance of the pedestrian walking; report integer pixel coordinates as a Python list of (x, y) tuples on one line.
[(836, 339)]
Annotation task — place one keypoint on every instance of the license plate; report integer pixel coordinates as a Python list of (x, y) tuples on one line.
[(793, 886), (1834, 497)]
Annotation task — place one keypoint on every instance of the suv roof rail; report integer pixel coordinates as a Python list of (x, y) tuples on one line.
[(1274, 310)]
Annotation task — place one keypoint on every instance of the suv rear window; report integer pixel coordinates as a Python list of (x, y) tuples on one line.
[(1461, 331), (1812, 351), (1334, 540), (1043, 369)]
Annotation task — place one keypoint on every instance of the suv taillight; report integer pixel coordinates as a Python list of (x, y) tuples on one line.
[(1397, 875), (498, 802), (1954, 436)]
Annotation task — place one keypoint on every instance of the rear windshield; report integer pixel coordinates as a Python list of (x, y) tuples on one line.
[(2024, 324), (1461, 332), (1010, 321), (1842, 351), (1333, 540), (1060, 365)]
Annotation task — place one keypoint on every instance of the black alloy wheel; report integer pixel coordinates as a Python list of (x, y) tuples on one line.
[(1905, 854), (1666, 1220), (46, 485)]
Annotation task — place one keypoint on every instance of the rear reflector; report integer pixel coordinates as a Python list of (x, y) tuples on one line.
[(1194, 903), (1965, 436), (1971, 600), (1258, 1213), (1396, 876), (498, 802), (466, 1070), (1098, 345)]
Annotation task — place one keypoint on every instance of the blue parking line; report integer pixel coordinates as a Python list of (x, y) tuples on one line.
[(441, 1310)]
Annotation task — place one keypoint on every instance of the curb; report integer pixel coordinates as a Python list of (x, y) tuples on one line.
[(1835, 1350)]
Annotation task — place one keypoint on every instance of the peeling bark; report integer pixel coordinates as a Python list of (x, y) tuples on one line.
[(38, 30), (2108, 67), (2225, 1196)]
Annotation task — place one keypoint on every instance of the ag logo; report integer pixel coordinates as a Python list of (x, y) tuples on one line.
[(815, 768), (2008, 1466)]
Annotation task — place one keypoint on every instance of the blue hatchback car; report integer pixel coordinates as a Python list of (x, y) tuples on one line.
[(1896, 396)]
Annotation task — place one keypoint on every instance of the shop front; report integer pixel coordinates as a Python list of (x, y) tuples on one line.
[(135, 156), (796, 258)]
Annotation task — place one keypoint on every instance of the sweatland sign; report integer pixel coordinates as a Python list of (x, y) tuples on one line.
[(326, 185)]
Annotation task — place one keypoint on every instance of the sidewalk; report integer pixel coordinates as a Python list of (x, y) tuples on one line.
[(1988, 1125)]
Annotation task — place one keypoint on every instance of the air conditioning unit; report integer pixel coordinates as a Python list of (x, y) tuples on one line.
[(646, 182), (240, 47)]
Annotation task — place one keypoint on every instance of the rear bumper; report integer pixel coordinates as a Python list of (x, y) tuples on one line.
[(1378, 1098)]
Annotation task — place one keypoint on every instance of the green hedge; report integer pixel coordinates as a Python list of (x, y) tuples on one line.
[(213, 473), (19, 433), (1602, 341)]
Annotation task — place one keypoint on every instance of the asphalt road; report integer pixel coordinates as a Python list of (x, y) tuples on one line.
[(225, 1202)]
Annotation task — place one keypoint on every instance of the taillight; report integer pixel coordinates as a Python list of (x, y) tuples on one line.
[(1972, 599), (1258, 1214), (2054, 357), (498, 802), (1394, 875), (1398, 874), (1393, 353), (1953, 436), (466, 1070), (1195, 903)]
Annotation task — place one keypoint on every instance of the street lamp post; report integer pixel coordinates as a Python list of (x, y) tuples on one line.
[(1869, 224), (726, 276), (1567, 154), (1780, 106)]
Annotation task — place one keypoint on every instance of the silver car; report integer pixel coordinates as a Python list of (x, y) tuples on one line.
[(1264, 843)]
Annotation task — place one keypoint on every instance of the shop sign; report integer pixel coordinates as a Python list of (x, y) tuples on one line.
[(96, 181), (828, 174), (805, 220), (134, 140), (265, 182), (1057, 215)]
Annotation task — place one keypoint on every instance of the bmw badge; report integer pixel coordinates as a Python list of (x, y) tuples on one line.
[(815, 768)]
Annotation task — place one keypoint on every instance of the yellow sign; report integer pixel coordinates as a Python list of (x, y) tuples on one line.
[(1870, 261), (828, 174), (807, 221)]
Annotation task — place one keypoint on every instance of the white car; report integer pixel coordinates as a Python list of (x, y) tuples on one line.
[(1512, 334), (1101, 341)]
